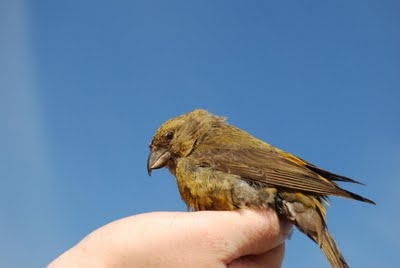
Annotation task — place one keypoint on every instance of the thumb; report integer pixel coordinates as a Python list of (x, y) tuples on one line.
[(234, 234)]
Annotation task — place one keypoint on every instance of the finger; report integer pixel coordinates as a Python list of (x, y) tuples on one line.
[(270, 259), (209, 238), (239, 233)]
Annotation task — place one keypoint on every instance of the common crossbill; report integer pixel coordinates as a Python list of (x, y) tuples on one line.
[(220, 167)]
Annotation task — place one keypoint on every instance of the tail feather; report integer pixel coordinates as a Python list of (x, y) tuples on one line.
[(340, 191), (331, 251), (310, 220), (358, 197)]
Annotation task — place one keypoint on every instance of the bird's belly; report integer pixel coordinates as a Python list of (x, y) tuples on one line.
[(215, 190)]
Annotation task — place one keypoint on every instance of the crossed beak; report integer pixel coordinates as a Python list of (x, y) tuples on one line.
[(157, 159)]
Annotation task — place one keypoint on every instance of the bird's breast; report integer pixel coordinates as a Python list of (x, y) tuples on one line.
[(202, 190)]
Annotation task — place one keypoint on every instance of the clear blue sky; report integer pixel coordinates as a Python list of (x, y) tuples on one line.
[(84, 85)]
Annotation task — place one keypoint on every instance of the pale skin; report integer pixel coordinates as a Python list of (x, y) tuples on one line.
[(245, 238)]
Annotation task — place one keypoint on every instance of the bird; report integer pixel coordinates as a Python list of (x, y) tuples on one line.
[(218, 166)]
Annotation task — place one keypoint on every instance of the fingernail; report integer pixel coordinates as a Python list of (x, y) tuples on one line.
[(286, 230)]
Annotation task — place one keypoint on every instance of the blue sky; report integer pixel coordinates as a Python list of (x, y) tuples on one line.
[(84, 85)]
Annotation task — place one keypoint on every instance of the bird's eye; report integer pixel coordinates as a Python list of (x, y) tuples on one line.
[(170, 135)]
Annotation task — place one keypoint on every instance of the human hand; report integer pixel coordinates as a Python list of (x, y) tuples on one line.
[(242, 238)]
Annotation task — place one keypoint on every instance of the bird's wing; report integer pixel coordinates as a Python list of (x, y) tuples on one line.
[(267, 166)]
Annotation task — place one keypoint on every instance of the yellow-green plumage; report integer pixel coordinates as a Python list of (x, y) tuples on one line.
[(220, 167)]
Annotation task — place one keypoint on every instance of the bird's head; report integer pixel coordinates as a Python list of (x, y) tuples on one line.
[(178, 138)]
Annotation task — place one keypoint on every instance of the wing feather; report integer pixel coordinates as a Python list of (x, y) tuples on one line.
[(266, 166), (229, 149)]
